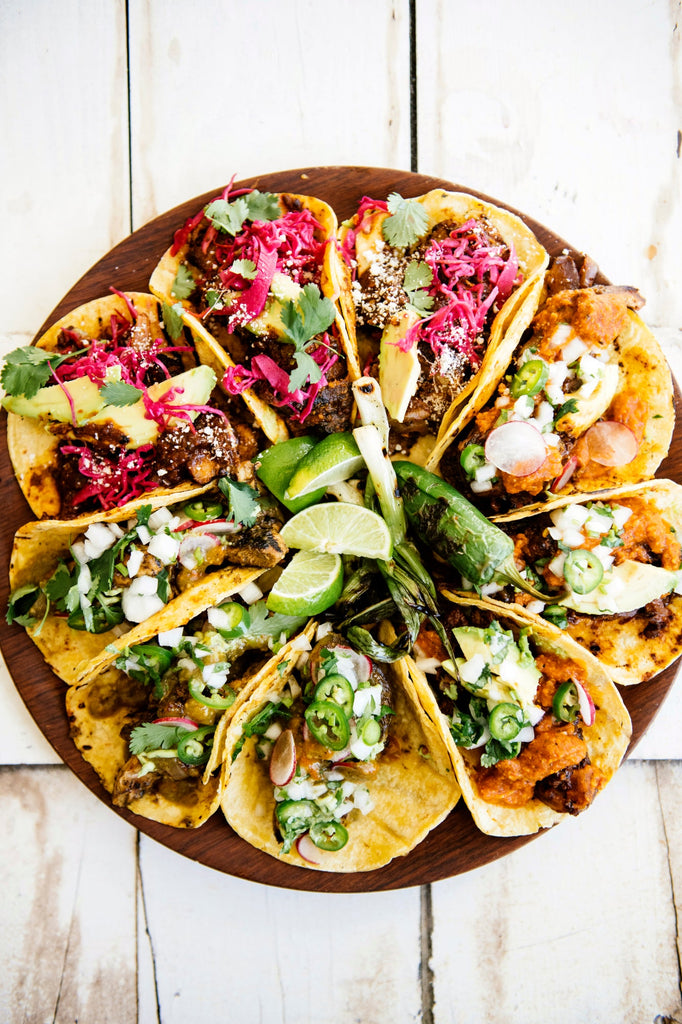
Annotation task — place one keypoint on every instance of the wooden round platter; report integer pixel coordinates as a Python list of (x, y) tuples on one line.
[(456, 846)]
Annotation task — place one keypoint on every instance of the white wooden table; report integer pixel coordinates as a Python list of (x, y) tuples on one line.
[(113, 111)]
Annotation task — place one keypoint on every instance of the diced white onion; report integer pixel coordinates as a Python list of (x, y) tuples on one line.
[(620, 514), (485, 472), (470, 671), (574, 349), (250, 593), (160, 518), (164, 547), (134, 563), (84, 579), (144, 533), (323, 629), (170, 637), (140, 599), (480, 486)]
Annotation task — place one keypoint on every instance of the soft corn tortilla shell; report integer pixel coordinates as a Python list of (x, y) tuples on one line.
[(71, 653), (629, 656), (516, 313), (100, 741), (334, 283), (32, 448), (607, 739), (413, 789), (644, 370)]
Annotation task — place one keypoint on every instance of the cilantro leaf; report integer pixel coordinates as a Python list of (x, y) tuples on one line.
[(155, 736), (303, 321), (570, 406), (184, 283), (172, 319), (306, 369), (214, 298), (20, 603), (243, 499), (318, 311), (407, 224), (262, 205), (264, 623), (245, 268), (226, 216), (418, 276), (119, 393), (60, 583), (28, 369)]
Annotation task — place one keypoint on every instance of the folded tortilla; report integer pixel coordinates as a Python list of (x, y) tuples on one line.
[(412, 789), (607, 738), (216, 347)]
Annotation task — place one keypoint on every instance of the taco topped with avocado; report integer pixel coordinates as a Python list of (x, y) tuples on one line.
[(439, 284), (260, 278), (334, 763), (537, 727), (82, 585), (110, 405), (586, 404)]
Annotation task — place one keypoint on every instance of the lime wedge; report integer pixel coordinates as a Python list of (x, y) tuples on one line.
[(335, 458), (310, 584), (339, 528), (276, 465)]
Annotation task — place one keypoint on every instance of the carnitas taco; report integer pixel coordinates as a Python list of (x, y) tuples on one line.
[(586, 404), (610, 569), (111, 404), (336, 765), (442, 282), (259, 277), (537, 728), (84, 585), (151, 718)]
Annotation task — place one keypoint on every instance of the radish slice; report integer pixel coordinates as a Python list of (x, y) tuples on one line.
[(611, 443), (565, 474), (586, 704), (214, 526), (186, 723), (361, 663), (516, 447), (306, 848), (283, 759)]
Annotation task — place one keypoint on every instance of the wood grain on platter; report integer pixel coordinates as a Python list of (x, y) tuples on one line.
[(454, 847)]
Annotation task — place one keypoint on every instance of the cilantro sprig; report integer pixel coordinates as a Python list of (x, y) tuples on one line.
[(418, 277), (120, 394), (243, 499), (29, 368), (229, 216), (155, 736), (408, 221), (303, 320)]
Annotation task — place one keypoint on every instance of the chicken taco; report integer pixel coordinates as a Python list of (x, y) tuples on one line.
[(95, 582), (151, 717), (130, 411), (259, 278), (537, 728), (609, 568), (442, 283), (586, 404), (335, 764)]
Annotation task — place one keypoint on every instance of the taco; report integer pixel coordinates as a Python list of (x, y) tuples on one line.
[(586, 404), (259, 278), (132, 411), (151, 719), (610, 568), (94, 582), (336, 765), (441, 284), (537, 728)]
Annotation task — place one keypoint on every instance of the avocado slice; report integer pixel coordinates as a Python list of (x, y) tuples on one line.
[(52, 403), (514, 672), (638, 584), (398, 371)]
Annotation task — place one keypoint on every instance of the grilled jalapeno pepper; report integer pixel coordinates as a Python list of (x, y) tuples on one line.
[(530, 378), (329, 835), (328, 724), (452, 527), (582, 570), (195, 747)]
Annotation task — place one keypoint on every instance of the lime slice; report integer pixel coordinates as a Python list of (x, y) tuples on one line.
[(335, 458), (339, 528), (310, 584)]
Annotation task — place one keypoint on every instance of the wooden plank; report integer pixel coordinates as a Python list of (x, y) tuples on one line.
[(577, 926), (240, 90), (68, 936), (64, 164), (569, 115), (669, 779), (275, 955)]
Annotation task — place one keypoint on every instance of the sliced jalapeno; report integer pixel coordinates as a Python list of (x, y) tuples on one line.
[(582, 571), (556, 614), (472, 458), (155, 659), (370, 733), (195, 747), (505, 722), (201, 511), (329, 835), (235, 613), (295, 815), (530, 378), (328, 724), (338, 690), (212, 698), (566, 704)]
